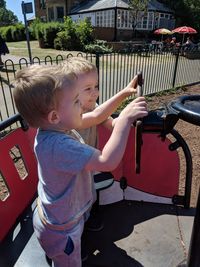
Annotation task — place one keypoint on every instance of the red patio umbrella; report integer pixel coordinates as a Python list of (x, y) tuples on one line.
[(183, 30)]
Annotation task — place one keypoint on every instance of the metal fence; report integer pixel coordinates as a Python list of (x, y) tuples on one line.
[(161, 71)]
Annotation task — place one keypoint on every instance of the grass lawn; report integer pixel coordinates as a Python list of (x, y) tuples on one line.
[(20, 49)]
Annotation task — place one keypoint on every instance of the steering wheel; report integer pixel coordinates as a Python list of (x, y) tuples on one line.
[(187, 108), (138, 129)]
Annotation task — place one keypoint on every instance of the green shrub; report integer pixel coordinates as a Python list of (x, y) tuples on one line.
[(99, 46), (6, 33), (62, 41), (18, 32), (34, 29), (13, 33), (74, 35), (84, 32), (46, 31), (66, 39)]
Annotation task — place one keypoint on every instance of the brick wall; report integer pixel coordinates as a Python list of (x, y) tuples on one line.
[(108, 34), (42, 12), (39, 12), (104, 33)]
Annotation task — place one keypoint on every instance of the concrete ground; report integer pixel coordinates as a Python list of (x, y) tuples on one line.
[(135, 234)]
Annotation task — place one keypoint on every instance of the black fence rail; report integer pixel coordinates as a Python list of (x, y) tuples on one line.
[(162, 70)]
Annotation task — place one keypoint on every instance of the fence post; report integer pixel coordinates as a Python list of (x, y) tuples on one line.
[(97, 60), (97, 65), (175, 67)]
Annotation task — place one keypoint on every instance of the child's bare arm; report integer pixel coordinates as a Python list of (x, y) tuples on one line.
[(108, 124), (113, 151), (103, 111)]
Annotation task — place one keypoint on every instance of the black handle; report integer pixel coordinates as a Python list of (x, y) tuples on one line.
[(138, 129)]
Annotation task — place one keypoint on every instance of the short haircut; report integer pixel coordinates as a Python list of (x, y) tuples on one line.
[(78, 65), (37, 90)]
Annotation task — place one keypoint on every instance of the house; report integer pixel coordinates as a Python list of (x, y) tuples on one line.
[(54, 10), (112, 19)]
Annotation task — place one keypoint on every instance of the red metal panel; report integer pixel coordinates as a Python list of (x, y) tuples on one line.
[(21, 192), (159, 166)]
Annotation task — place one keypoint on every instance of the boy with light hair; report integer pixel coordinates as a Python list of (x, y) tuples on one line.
[(95, 114), (49, 101)]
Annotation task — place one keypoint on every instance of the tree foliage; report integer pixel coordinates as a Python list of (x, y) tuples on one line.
[(2, 4), (187, 12), (7, 17), (138, 9)]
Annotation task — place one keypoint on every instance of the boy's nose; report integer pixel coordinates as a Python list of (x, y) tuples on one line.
[(81, 105), (95, 93)]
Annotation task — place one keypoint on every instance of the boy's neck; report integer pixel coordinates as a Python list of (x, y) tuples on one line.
[(54, 128)]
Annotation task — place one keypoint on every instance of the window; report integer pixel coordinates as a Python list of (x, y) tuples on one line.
[(19, 163), (5, 192), (166, 16), (124, 19), (50, 13), (60, 12), (150, 20), (97, 19), (105, 18)]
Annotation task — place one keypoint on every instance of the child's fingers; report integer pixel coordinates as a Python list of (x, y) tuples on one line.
[(135, 82), (139, 99)]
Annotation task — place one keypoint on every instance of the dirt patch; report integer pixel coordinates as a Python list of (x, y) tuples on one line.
[(189, 132)]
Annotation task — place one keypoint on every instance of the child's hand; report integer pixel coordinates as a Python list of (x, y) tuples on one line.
[(131, 88), (135, 110)]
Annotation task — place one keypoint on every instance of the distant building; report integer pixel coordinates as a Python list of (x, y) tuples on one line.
[(111, 19)]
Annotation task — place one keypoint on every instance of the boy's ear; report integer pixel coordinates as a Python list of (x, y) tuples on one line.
[(53, 117)]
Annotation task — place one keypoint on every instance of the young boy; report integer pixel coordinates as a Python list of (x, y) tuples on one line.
[(49, 100), (94, 114), (89, 93)]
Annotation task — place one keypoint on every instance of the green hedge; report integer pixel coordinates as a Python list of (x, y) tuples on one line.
[(69, 35), (46, 31), (13, 33)]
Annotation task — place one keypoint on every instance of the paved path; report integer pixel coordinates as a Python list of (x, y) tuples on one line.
[(15, 59)]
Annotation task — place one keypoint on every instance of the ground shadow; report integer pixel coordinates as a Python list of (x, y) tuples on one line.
[(119, 221), (12, 247)]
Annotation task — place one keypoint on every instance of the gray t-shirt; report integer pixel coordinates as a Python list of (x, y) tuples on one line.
[(89, 135), (65, 187)]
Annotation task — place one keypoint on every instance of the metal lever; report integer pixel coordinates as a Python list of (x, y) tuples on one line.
[(138, 129)]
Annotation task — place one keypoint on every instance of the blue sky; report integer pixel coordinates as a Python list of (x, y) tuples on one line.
[(15, 7)]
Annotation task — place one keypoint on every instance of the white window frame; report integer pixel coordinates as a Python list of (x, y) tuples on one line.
[(105, 18)]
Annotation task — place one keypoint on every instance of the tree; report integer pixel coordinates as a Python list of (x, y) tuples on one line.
[(187, 12), (7, 17), (2, 4), (138, 9), (194, 13)]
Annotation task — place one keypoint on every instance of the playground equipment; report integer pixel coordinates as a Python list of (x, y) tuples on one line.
[(156, 182)]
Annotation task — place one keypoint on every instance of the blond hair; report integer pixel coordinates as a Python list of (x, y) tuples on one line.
[(37, 91), (78, 65)]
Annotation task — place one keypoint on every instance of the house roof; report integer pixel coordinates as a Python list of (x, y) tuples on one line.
[(95, 5), (157, 6)]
